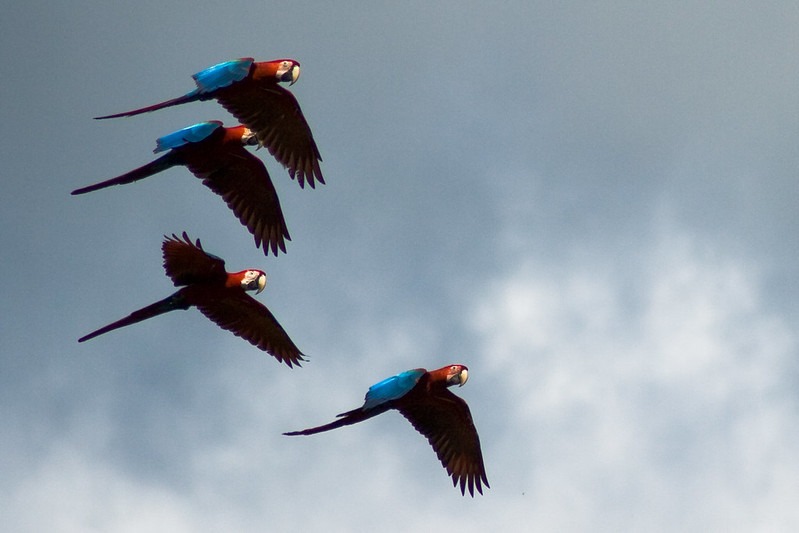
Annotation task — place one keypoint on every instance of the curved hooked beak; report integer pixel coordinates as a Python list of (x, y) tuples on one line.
[(295, 74), (249, 138), (463, 377), (261, 283)]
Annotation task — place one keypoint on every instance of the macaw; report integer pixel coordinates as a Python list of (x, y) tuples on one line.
[(422, 397), (219, 295), (217, 155), (249, 90)]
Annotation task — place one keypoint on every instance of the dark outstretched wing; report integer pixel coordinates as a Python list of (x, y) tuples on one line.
[(187, 263), (234, 310), (447, 423), (274, 114), (241, 179)]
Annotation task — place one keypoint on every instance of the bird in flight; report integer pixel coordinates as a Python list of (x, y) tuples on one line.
[(250, 91), (217, 155), (219, 295), (443, 418)]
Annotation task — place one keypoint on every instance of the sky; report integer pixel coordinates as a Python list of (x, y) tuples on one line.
[(591, 205)]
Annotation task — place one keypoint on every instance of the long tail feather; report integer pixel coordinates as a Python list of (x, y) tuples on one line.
[(191, 97), (154, 167), (170, 303), (345, 419)]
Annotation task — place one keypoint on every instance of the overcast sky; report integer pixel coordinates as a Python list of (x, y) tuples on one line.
[(593, 206)]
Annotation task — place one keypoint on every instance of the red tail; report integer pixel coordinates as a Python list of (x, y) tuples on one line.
[(191, 97), (154, 167), (170, 303)]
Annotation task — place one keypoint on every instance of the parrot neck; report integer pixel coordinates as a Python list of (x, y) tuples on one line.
[(234, 279), (234, 135), (264, 69)]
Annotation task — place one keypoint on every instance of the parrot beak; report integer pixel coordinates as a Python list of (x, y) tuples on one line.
[(261, 283), (458, 378), (249, 139), (295, 74)]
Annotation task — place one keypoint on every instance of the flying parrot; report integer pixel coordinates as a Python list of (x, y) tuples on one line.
[(249, 90), (423, 398), (219, 295), (217, 155)]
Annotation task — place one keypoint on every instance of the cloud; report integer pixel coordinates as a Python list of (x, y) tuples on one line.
[(492, 177), (657, 399), (70, 492)]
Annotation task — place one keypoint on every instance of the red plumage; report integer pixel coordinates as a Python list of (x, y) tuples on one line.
[(219, 295), (224, 165), (438, 414), (268, 109)]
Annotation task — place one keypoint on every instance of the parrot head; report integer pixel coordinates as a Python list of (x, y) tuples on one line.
[(287, 70), (248, 137), (253, 280), (457, 375)]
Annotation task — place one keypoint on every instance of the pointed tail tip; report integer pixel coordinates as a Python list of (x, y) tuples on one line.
[(83, 190), (119, 115), (116, 115), (131, 113), (91, 335)]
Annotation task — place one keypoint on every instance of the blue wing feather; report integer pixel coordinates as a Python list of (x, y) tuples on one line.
[(191, 134), (222, 75), (392, 388)]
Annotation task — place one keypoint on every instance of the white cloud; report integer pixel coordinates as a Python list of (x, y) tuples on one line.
[(662, 407), (69, 492)]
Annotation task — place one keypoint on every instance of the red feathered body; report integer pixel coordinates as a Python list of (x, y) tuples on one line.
[(442, 417)]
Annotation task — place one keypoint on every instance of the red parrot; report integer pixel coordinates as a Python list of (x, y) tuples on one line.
[(249, 90), (423, 398), (219, 295), (217, 155)]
